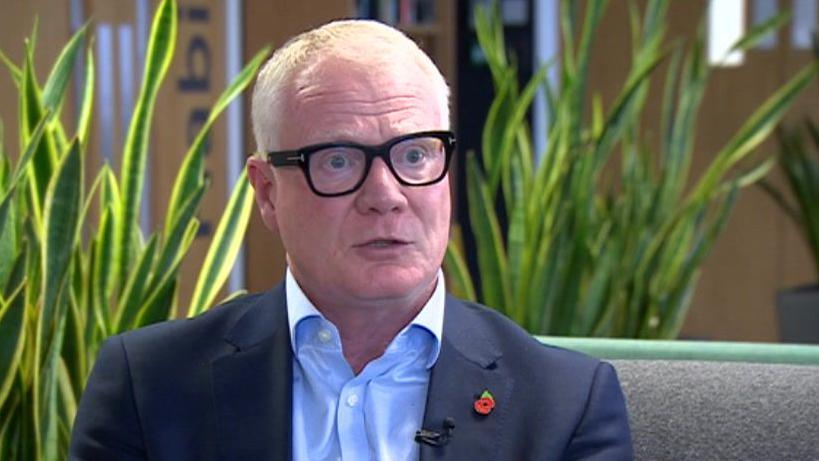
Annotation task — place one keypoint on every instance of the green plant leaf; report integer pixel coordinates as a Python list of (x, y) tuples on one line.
[(491, 254), (33, 241), (753, 131), (48, 417), (74, 353), (460, 281), (230, 297), (15, 72), (134, 292), (87, 104), (68, 400), (101, 273), (621, 116), (174, 248), (517, 240), (512, 124), (57, 82), (224, 247), (61, 221), (159, 305), (760, 31), (494, 127), (12, 337), (157, 60), (8, 237), (160, 302), (191, 174), (32, 146), (44, 158)]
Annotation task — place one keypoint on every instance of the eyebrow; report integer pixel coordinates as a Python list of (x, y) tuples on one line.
[(333, 136)]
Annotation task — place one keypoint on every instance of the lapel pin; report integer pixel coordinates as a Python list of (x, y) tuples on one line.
[(485, 403)]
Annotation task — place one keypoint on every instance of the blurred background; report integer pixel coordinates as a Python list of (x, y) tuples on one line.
[(760, 253)]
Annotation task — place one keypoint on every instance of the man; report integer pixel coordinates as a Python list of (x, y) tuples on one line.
[(359, 354)]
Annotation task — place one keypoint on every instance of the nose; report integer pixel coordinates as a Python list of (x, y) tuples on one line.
[(381, 192)]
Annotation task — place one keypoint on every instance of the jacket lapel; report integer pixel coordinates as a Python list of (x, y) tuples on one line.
[(467, 365), (252, 384)]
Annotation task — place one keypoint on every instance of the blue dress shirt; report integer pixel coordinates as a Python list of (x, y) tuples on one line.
[(370, 416)]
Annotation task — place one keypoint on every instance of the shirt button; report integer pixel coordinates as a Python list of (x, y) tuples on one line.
[(325, 335), (352, 400)]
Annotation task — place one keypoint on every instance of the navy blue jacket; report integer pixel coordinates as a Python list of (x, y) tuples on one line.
[(218, 386)]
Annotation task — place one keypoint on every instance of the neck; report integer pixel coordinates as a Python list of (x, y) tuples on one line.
[(368, 327)]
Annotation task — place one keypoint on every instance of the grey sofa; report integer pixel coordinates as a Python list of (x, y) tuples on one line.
[(715, 401)]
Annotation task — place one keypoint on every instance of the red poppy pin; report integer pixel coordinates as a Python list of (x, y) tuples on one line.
[(485, 403)]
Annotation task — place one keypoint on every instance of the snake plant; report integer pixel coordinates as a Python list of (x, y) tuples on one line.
[(75, 266)]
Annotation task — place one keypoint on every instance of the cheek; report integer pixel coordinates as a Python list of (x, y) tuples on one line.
[(436, 215), (299, 213)]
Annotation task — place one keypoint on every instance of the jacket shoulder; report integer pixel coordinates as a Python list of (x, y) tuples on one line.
[(199, 336), (520, 348)]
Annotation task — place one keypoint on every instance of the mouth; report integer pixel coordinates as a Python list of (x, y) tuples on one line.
[(382, 243)]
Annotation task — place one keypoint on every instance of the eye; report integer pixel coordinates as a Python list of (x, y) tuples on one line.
[(338, 162), (414, 156)]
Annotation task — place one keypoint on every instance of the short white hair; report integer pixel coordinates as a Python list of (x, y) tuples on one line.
[(356, 40)]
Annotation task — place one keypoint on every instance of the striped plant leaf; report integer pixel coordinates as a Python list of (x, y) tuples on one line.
[(45, 158), (231, 296), (12, 337), (101, 277), (160, 301), (174, 248), (61, 230), (160, 304), (191, 174), (74, 350), (491, 253), (57, 81), (68, 397), (22, 166), (46, 385), (459, 282), (8, 237), (87, 100), (134, 158), (134, 292), (224, 247)]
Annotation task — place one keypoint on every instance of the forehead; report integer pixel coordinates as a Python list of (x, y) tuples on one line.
[(360, 100)]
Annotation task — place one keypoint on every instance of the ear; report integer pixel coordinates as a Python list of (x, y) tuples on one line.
[(263, 181)]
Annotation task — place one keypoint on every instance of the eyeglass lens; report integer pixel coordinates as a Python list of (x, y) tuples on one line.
[(415, 161)]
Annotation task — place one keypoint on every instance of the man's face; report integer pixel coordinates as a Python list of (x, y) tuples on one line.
[(384, 241)]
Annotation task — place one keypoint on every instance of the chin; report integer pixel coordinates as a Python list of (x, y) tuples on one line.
[(386, 283)]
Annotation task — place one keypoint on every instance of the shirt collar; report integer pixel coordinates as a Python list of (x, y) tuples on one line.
[(430, 318)]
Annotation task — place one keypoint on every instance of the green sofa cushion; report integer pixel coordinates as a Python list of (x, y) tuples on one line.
[(719, 351)]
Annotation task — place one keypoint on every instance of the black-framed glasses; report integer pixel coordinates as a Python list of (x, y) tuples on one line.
[(339, 168)]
